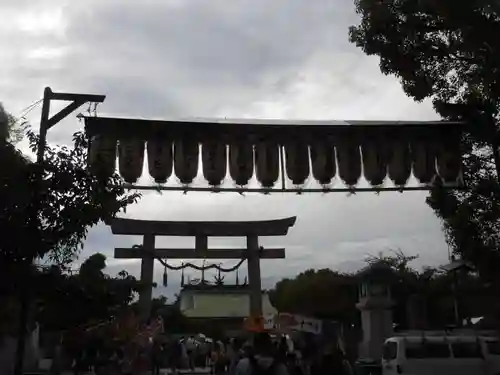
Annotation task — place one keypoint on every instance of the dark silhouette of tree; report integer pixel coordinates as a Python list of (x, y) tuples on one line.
[(158, 303), (332, 295), (93, 267), (321, 293), (68, 200), (67, 300), (446, 51), (174, 320), (46, 210), (11, 128)]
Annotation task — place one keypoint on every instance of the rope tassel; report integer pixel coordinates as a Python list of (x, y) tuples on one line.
[(165, 277)]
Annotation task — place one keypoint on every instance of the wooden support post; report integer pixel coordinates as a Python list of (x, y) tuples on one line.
[(147, 268), (201, 245), (254, 281)]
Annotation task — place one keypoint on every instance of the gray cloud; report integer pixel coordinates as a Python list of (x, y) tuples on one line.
[(172, 58)]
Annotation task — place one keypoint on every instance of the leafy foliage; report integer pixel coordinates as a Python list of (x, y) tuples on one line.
[(447, 51), (50, 217), (11, 128), (45, 212), (71, 300), (322, 293), (329, 294)]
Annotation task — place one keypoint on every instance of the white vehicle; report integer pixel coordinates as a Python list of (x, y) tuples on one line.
[(444, 354)]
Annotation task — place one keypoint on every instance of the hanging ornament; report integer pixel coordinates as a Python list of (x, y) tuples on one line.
[(219, 279), (349, 160), (297, 161), (323, 161), (213, 154), (399, 161), (186, 153), (241, 162), (203, 272), (160, 159), (449, 159), (374, 161), (165, 277), (237, 278), (267, 163), (424, 160), (130, 159), (102, 156), (182, 275)]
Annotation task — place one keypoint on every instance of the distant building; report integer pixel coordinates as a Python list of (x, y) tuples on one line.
[(227, 305)]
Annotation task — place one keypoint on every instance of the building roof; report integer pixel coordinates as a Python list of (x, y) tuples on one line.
[(457, 265)]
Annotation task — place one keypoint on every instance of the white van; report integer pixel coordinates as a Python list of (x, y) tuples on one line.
[(447, 355)]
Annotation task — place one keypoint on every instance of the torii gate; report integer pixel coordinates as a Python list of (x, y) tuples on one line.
[(201, 230)]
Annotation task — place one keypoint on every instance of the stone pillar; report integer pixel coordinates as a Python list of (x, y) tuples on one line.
[(147, 268), (375, 305), (254, 280), (416, 312)]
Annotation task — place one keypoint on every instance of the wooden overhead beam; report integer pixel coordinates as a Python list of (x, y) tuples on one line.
[(76, 100), (74, 97), (139, 253), (134, 227)]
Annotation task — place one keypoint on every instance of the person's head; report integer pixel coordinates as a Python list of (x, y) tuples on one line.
[(262, 343), (247, 349), (291, 358)]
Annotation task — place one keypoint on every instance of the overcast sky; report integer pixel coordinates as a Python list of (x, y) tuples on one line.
[(224, 58)]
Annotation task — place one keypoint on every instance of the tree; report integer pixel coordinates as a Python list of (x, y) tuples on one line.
[(447, 51), (328, 294), (11, 128), (4, 124), (422, 298), (319, 293), (66, 202), (46, 210), (93, 267), (66, 301)]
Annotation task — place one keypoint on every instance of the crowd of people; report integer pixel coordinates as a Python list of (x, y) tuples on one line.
[(262, 353), (282, 355)]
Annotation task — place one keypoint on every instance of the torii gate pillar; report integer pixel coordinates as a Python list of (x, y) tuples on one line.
[(254, 280), (147, 272)]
